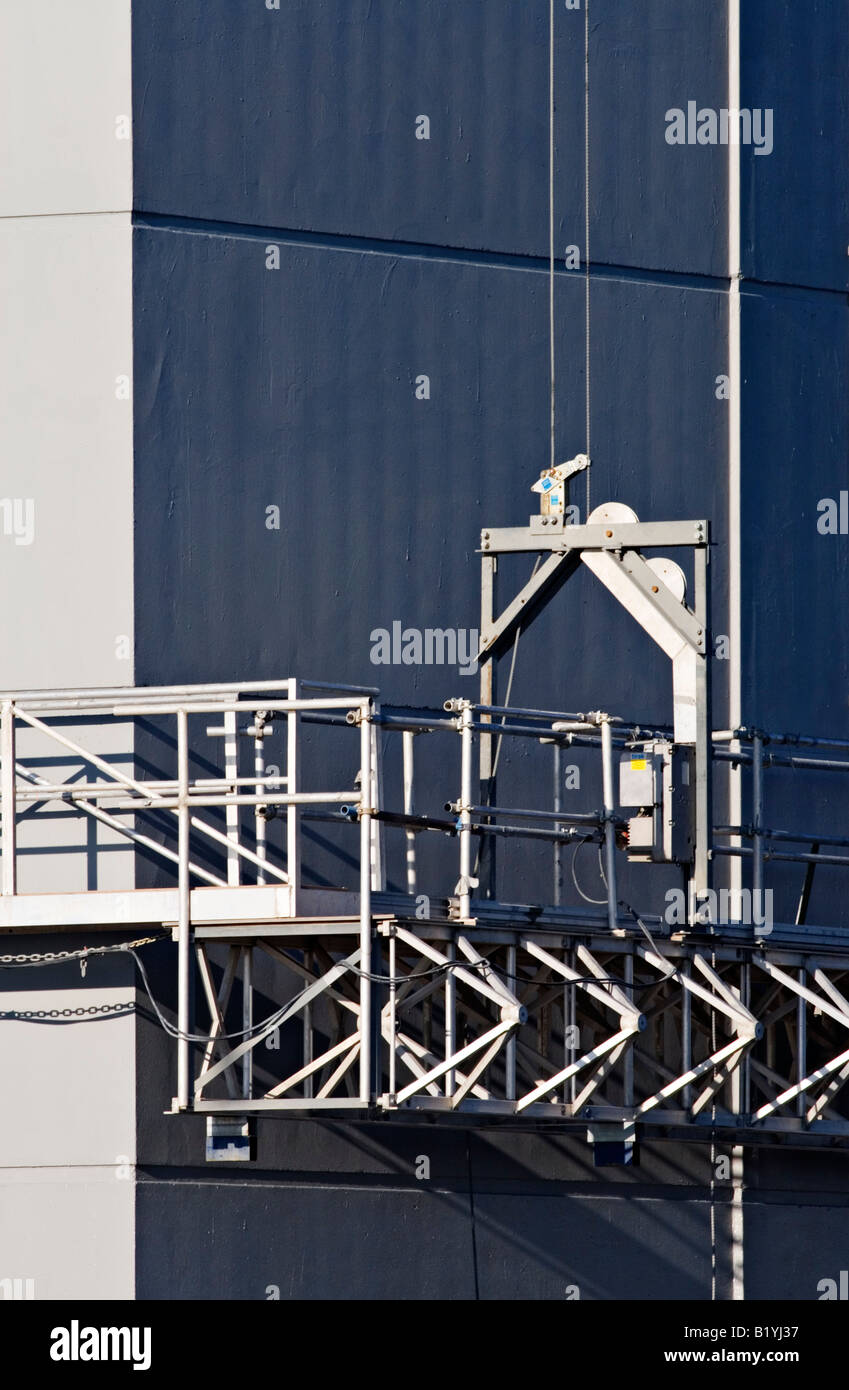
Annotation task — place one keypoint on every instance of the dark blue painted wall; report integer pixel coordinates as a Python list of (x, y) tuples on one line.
[(796, 201), (304, 117), (795, 449), (295, 387)]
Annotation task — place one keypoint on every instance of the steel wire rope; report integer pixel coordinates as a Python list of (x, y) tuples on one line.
[(587, 244), (551, 225), (551, 335)]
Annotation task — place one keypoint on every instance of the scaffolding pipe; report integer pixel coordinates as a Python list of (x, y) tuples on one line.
[(231, 813), (7, 797), (260, 822), (450, 1017), (757, 819), (240, 706), (797, 740), (144, 840), (609, 825), (801, 1044), (543, 714), (413, 723), (813, 764), (510, 1047), (247, 1018), (515, 730), (69, 791), (413, 823), (557, 853), (578, 817), (835, 859), (783, 835), (183, 916), (365, 908), (408, 742), (166, 803), (628, 1067), (686, 1034), (527, 832), (465, 831), (306, 1031), (393, 1019), (735, 433)]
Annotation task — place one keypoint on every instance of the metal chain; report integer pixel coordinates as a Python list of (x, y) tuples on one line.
[(66, 1013), (56, 957)]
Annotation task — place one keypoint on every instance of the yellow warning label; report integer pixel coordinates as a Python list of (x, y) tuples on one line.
[(639, 764)]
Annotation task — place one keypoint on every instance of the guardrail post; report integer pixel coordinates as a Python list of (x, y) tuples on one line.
[(260, 821), (609, 826), (465, 836), (183, 914), (488, 742), (365, 903), (247, 1018), (7, 797), (757, 825), (231, 812), (407, 738), (293, 839)]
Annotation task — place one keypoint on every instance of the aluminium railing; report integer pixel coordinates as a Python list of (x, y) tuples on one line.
[(468, 818)]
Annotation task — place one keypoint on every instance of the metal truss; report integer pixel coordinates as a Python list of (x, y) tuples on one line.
[(676, 1037)]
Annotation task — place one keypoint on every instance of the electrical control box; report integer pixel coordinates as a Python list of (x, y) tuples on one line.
[(656, 778)]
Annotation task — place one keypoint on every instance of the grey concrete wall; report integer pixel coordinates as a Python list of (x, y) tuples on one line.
[(67, 1234), (64, 103), (66, 381), (67, 1143), (67, 1146), (59, 847), (66, 441), (66, 364)]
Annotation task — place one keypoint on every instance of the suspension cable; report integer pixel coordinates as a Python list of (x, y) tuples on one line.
[(587, 243), (551, 334)]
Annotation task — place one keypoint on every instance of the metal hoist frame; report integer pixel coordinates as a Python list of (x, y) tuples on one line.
[(612, 551)]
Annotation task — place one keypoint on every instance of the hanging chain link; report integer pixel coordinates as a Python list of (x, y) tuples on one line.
[(84, 953), (125, 1007), (59, 957)]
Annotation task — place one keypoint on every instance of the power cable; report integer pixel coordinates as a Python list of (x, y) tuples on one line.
[(44, 958), (596, 902), (499, 738), (130, 947)]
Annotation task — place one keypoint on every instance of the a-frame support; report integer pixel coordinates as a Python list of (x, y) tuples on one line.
[(612, 551)]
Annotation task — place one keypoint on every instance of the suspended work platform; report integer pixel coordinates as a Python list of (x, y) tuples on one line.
[(427, 996)]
